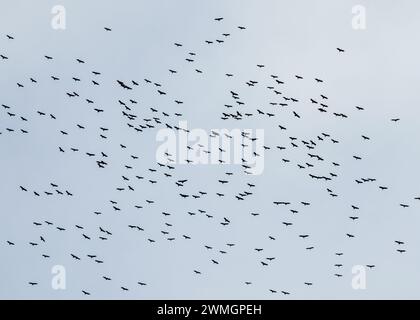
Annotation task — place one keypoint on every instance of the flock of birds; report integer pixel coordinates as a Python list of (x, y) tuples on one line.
[(283, 108)]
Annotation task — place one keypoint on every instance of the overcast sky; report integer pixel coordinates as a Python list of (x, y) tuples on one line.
[(379, 71)]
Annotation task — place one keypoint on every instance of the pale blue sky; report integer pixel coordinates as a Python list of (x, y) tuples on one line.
[(379, 71)]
